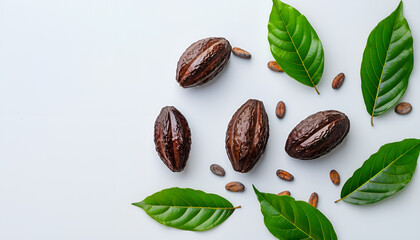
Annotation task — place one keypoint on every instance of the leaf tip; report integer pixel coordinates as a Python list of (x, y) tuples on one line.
[(138, 204), (255, 189), (400, 7)]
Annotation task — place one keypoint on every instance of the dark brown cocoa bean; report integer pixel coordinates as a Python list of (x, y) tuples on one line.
[(272, 65), (202, 61), (338, 80), (284, 175), (247, 135), (335, 177), (313, 199), (235, 187), (217, 169), (241, 53), (172, 138), (317, 135), (287, 193), (403, 108), (280, 109)]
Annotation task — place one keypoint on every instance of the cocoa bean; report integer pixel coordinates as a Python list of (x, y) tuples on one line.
[(338, 80), (287, 193), (313, 199), (217, 169), (280, 109), (272, 65), (403, 108), (284, 175), (235, 187), (241, 53), (335, 177)]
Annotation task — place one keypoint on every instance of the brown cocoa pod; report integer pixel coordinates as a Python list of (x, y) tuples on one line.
[(280, 109), (287, 193), (235, 187), (403, 108), (247, 135), (338, 80), (217, 170), (313, 199), (284, 175), (202, 61), (335, 177), (241, 53), (317, 135), (272, 65), (172, 138)]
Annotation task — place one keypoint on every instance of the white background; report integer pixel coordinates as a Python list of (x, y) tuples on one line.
[(81, 83)]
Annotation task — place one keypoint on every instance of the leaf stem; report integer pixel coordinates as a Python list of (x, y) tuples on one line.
[(316, 90), (371, 120), (237, 207), (336, 201)]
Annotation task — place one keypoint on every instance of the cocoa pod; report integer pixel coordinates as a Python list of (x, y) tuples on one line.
[(241, 53), (247, 135), (313, 199), (280, 109), (287, 193), (338, 80), (403, 108), (217, 170), (272, 65), (172, 138), (317, 135), (202, 61), (335, 177), (284, 175), (235, 187)]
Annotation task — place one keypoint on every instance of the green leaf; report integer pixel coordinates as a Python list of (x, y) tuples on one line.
[(383, 174), (387, 63), (295, 45), (288, 219), (187, 209)]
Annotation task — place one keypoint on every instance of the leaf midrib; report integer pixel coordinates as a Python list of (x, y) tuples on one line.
[(285, 217), (381, 171), (300, 58), (213, 208), (382, 72)]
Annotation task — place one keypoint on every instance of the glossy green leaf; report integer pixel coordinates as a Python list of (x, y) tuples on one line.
[(295, 45), (386, 172), (288, 219), (387, 63), (187, 209)]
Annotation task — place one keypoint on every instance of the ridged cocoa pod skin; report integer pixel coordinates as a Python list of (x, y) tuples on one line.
[(247, 135), (202, 61), (317, 135), (172, 138)]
